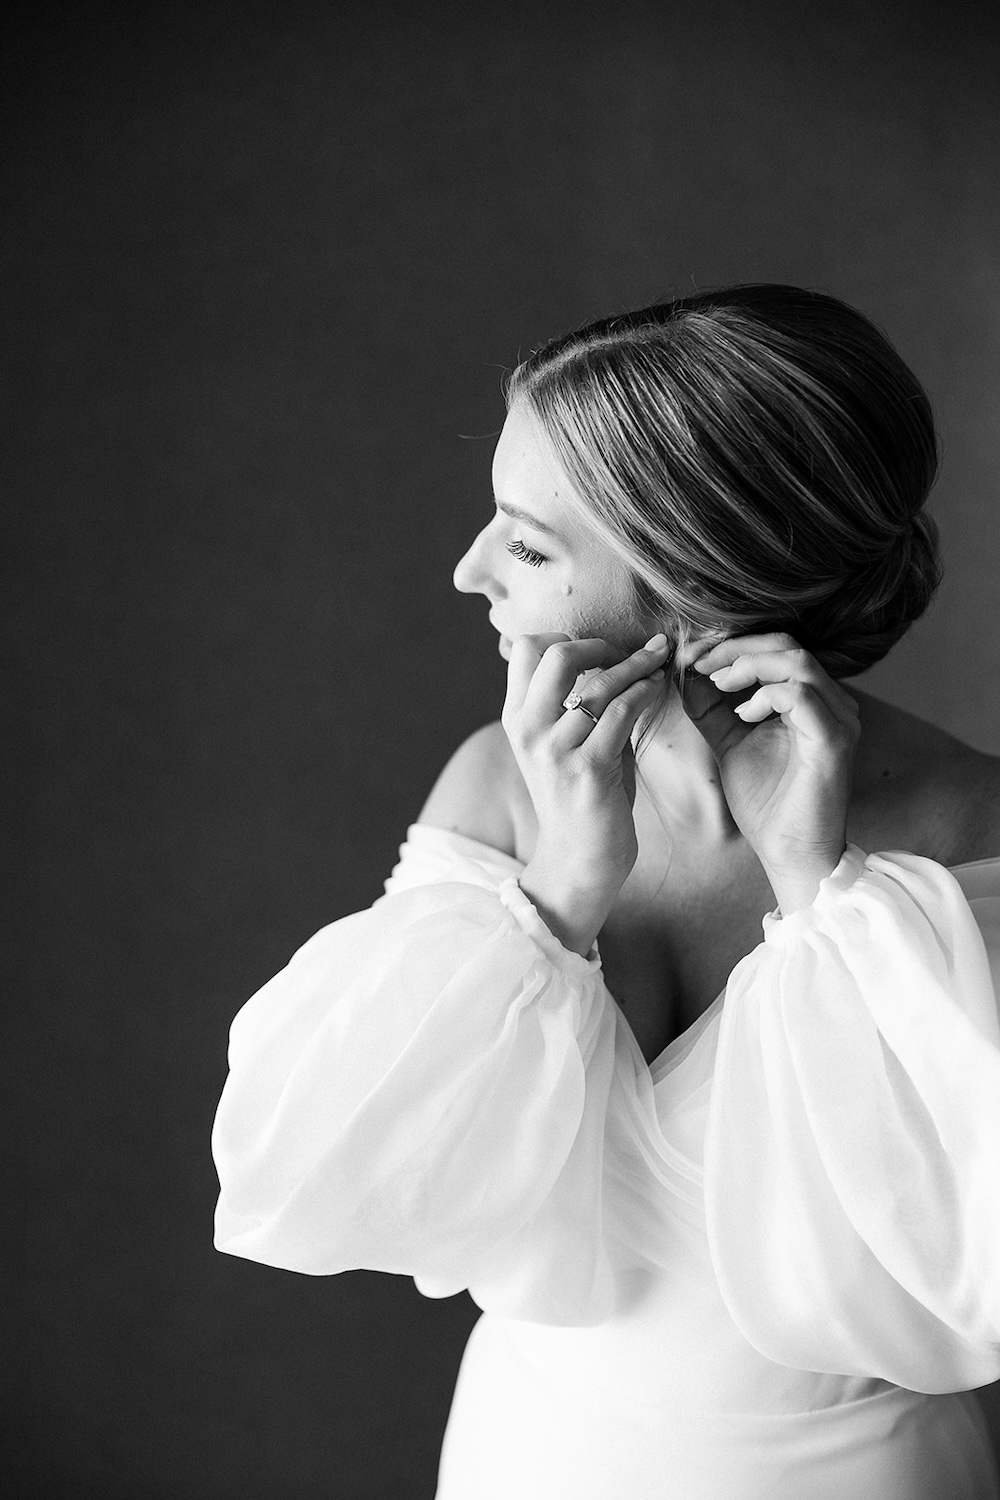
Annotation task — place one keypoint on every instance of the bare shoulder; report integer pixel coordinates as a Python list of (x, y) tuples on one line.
[(975, 789), (479, 792), (942, 794)]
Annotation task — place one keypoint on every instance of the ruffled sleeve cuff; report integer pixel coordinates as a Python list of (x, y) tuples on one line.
[(780, 929), (525, 914)]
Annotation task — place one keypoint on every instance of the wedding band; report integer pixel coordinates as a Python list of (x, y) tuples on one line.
[(573, 700)]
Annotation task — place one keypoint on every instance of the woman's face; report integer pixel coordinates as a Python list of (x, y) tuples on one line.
[(538, 564)]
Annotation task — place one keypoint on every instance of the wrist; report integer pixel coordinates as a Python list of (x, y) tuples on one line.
[(796, 887), (573, 906)]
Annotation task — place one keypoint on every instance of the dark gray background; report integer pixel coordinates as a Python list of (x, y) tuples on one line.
[(265, 264)]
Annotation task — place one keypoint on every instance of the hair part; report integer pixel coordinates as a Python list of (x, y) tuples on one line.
[(758, 456)]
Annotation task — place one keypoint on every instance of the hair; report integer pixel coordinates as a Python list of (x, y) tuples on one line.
[(759, 457)]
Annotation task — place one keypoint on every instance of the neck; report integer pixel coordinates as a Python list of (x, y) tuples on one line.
[(679, 777)]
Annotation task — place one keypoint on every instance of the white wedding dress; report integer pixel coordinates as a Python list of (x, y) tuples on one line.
[(767, 1267)]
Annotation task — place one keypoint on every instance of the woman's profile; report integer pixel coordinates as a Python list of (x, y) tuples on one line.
[(674, 1038)]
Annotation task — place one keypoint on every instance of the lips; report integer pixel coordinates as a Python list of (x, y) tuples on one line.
[(503, 645)]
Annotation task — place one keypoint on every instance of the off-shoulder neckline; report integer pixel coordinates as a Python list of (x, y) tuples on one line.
[(463, 839), (662, 1064)]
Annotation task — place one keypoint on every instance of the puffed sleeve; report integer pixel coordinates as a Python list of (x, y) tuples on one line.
[(424, 1090), (852, 1146)]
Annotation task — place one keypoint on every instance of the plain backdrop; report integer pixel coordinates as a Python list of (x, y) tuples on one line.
[(263, 267)]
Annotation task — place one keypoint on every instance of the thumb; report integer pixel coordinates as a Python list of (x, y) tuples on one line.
[(711, 712)]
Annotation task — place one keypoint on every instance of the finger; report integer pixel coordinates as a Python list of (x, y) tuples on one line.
[(711, 712), (604, 686), (685, 656), (785, 666), (578, 722), (525, 654), (556, 673), (740, 645), (535, 660), (608, 738), (800, 707)]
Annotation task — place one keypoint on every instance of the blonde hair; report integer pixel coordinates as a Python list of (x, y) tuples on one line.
[(759, 457)]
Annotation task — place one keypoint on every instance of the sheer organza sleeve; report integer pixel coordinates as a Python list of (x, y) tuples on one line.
[(852, 1147), (424, 1090)]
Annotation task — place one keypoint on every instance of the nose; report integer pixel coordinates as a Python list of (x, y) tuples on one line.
[(473, 575)]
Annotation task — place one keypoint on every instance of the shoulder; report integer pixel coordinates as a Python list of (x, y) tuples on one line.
[(973, 786), (938, 795), (480, 791)]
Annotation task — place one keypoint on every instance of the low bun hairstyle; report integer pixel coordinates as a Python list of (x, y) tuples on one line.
[(759, 457)]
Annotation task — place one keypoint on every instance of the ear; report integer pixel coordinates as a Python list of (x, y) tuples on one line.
[(697, 645)]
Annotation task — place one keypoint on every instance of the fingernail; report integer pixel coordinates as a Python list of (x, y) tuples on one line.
[(656, 642), (656, 676)]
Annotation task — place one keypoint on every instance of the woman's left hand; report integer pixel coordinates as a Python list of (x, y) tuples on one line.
[(787, 778)]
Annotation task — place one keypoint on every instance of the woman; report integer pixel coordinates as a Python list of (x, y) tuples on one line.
[(731, 1206)]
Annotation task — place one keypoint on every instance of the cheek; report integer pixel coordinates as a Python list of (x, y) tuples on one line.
[(602, 606), (613, 620)]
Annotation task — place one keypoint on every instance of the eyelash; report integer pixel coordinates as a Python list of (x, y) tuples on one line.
[(525, 554)]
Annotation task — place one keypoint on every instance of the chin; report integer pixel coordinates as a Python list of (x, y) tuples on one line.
[(503, 646)]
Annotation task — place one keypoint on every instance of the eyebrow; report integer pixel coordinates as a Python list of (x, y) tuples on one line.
[(516, 514)]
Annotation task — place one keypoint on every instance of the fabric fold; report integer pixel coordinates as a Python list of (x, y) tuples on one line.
[(852, 1190), (436, 1087), (423, 1090)]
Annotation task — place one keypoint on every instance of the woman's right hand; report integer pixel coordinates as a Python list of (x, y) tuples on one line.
[(580, 775)]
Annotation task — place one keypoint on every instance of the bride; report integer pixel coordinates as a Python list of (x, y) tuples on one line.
[(674, 1039)]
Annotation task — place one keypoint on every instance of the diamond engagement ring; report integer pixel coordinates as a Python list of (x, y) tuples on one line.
[(573, 700)]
